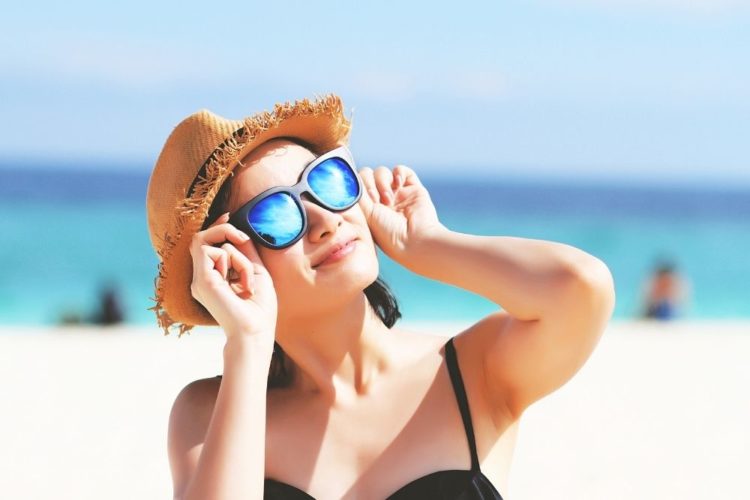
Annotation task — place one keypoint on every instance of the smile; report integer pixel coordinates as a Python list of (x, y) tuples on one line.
[(339, 254)]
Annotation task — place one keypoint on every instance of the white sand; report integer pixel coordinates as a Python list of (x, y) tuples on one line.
[(659, 412)]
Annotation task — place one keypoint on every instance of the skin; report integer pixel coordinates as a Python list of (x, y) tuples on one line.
[(666, 286), (370, 408)]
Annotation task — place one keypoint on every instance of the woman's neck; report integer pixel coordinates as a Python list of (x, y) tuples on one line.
[(337, 354)]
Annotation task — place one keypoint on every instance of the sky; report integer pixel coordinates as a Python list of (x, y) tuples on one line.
[(651, 90)]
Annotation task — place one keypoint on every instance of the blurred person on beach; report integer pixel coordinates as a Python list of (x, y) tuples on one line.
[(265, 228), (665, 292), (110, 310)]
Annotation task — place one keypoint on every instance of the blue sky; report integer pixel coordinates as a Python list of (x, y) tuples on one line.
[(657, 90)]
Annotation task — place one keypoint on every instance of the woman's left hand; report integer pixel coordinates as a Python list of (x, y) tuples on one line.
[(398, 209)]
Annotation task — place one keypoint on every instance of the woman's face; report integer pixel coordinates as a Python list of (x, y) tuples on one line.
[(301, 284)]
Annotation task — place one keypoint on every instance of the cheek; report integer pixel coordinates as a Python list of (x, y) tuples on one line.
[(287, 269), (293, 279), (356, 217), (273, 262)]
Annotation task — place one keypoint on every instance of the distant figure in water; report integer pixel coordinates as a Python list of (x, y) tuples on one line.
[(110, 307), (666, 292)]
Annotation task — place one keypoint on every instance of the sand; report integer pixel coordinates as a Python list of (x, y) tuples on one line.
[(660, 411)]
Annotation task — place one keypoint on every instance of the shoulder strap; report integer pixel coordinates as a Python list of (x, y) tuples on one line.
[(463, 404)]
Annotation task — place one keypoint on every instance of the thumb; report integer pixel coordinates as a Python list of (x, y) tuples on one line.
[(366, 203)]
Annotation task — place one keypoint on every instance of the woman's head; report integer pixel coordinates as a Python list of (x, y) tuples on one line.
[(192, 184), (198, 156), (303, 286)]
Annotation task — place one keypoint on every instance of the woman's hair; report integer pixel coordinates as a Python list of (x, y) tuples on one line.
[(379, 295)]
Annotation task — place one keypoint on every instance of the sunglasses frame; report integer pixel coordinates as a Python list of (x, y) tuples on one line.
[(239, 218)]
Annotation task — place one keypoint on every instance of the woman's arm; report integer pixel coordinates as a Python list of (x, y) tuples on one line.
[(526, 277), (557, 298), (217, 441), (557, 301), (221, 454)]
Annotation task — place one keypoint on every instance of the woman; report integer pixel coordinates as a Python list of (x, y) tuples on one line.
[(321, 396)]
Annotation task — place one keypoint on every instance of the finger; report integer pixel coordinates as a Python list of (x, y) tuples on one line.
[(242, 265), (368, 180), (399, 174), (406, 175), (239, 291), (250, 250), (383, 181), (221, 233), (368, 184), (208, 260)]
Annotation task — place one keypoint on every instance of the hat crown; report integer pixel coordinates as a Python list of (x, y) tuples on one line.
[(197, 157)]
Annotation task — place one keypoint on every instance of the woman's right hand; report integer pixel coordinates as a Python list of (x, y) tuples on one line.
[(231, 281)]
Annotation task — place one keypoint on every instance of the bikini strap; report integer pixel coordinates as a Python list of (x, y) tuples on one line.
[(463, 404)]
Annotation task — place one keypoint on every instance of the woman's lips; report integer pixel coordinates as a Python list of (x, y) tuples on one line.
[(339, 254)]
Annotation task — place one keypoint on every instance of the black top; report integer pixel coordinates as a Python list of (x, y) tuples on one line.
[(441, 485)]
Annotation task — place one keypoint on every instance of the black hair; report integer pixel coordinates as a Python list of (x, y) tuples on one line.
[(379, 296)]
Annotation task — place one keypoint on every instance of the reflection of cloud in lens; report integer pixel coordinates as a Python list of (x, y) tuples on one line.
[(276, 215), (333, 182)]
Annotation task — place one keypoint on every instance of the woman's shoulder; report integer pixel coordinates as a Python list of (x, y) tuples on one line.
[(197, 400), (188, 423), (201, 387)]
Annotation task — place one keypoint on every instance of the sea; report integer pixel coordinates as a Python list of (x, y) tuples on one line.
[(69, 234)]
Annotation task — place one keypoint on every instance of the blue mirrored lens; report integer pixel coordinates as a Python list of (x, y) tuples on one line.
[(277, 219), (334, 182)]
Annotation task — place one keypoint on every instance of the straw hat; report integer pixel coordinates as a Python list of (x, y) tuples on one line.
[(197, 158)]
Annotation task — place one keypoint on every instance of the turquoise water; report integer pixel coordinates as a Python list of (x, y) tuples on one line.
[(65, 238)]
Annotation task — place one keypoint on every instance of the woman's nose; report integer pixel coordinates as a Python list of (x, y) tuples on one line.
[(321, 222)]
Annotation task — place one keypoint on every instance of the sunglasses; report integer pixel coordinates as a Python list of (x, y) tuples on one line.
[(276, 217)]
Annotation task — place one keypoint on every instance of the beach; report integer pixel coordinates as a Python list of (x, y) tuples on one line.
[(659, 411)]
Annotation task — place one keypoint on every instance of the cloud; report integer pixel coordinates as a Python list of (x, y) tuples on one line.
[(484, 85), (389, 86), (137, 65), (121, 63)]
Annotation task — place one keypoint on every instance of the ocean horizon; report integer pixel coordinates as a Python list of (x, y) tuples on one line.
[(70, 233)]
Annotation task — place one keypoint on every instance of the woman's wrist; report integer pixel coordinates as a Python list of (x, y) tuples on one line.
[(257, 347), (423, 245)]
